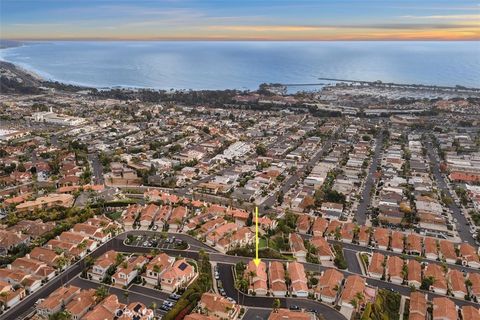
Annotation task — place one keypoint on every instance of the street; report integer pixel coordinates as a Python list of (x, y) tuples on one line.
[(361, 214), (462, 223)]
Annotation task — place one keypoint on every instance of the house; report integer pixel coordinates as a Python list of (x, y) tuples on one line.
[(414, 244), (333, 229), (332, 210), (381, 237), (162, 217), (216, 305), (211, 225), (444, 309), (436, 272), (303, 223), (298, 279), (319, 226), (418, 306), (470, 313), (82, 242), (57, 300), (213, 237), (156, 267), (278, 286), (10, 240), (32, 266), (395, 267), (178, 275), (376, 266), (469, 255), (93, 232), (457, 283), (353, 285), (148, 215), (128, 270), (107, 309), (102, 264), (397, 242), (297, 247), (430, 248), (414, 277), (47, 256), (475, 287), (347, 232), (324, 252), (240, 238), (34, 229), (447, 251), (81, 304), (48, 201), (9, 295), (137, 310), (363, 235), (329, 285), (285, 314), (257, 278), (30, 282), (176, 218)]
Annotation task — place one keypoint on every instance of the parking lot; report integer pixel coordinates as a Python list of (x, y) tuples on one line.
[(157, 241)]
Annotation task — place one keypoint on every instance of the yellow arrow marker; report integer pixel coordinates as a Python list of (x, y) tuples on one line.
[(257, 240)]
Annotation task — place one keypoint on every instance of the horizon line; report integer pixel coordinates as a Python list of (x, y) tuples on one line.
[(240, 39)]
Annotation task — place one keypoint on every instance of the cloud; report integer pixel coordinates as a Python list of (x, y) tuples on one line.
[(269, 28), (445, 17)]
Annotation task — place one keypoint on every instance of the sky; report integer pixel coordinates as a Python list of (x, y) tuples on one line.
[(240, 20)]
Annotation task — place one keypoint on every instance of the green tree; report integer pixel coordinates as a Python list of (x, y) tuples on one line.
[(276, 305), (101, 293)]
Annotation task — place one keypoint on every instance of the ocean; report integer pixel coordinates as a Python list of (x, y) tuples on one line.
[(244, 65)]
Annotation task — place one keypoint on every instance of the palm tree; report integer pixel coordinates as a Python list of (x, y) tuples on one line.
[(354, 303), (360, 296), (101, 293), (153, 306)]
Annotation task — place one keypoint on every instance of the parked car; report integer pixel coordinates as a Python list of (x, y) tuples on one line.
[(174, 296)]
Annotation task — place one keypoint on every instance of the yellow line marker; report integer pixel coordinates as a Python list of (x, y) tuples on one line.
[(257, 240)]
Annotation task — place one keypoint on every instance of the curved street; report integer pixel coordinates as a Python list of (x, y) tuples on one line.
[(225, 264)]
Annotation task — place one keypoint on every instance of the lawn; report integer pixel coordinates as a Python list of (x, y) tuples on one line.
[(262, 243)]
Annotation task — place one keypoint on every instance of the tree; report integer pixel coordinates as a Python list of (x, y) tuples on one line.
[(276, 305), (61, 262), (427, 283), (261, 150), (101, 293), (354, 303), (61, 315)]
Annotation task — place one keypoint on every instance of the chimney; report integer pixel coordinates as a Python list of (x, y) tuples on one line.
[(9, 266), (27, 256)]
